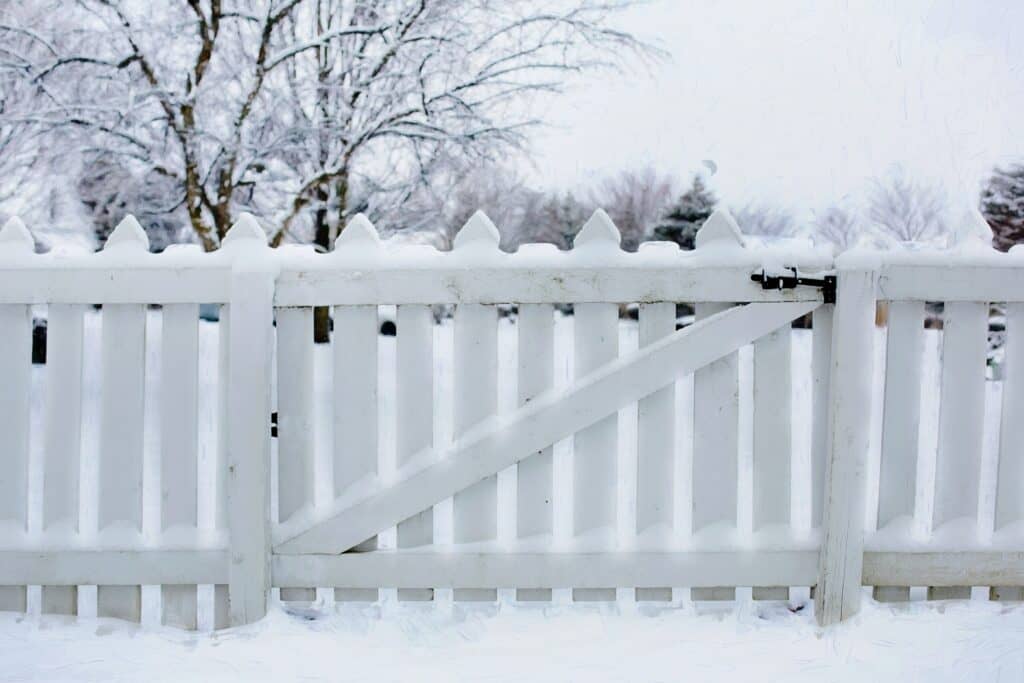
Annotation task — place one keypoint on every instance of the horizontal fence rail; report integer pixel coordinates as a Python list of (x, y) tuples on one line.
[(184, 434)]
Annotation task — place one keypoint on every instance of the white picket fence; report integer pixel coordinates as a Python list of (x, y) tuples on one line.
[(148, 486)]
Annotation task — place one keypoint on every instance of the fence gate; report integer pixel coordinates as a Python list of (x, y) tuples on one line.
[(441, 508)]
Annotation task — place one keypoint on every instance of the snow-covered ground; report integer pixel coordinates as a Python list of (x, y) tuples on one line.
[(968, 640), (934, 642)]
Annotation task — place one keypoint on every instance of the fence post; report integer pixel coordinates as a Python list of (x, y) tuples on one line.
[(250, 353), (838, 592)]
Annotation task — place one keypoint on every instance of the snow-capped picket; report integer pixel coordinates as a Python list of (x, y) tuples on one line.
[(720, 231), (599, 232), (479, 233), (127, 235), (15, 239), (359, 232), (246, 228)]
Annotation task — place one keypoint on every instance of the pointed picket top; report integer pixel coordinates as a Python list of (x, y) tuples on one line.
[(15, 237), (358, 232), (245, 228), (598, 230), (720, 229), (128, 235), (973, 231), (479, 231)]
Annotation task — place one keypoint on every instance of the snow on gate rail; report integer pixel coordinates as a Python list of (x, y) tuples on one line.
[(162, 423)]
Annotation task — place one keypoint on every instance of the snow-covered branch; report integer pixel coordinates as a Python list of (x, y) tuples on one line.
[(300, 110)]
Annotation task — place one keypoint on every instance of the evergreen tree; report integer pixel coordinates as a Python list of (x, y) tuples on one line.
[(560, 218), (1002, 205), (684, 218)]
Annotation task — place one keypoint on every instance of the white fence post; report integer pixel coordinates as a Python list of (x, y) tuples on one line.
[(15, 397), (838, 592), (248, 407)]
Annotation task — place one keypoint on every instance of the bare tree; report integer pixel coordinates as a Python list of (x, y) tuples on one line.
[(306, 110), (20, 49), (502, 193), (561, 217), (838, 225), (107, 192), (521, 212), (907, 210), (764, 220), (635, 200), (37, 175)]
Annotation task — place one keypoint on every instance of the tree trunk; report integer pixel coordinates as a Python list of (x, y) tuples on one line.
[(322, 240)]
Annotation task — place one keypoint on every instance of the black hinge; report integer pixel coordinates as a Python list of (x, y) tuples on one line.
[(827, 284), (273, 425)]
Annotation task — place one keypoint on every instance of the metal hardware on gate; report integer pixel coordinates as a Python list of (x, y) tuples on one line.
[(827, 284), (273, 425)]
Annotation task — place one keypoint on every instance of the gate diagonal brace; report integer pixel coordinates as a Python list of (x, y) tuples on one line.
[(827, 284)]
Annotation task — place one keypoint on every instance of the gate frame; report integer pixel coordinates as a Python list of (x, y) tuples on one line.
[(255, 558)]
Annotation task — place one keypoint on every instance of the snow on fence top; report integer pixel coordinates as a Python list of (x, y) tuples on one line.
[(968, 268), (365, 269)]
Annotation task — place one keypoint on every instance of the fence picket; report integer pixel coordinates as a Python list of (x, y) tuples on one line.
[(821, 369), (220, 607), (220, 515), (905, 346), (961, 421), (772, 447), (15, 392), (414, 415), (355, 395), (62, 438), (121, 424), (1009, 501), (475, 510), (595, 449), (1010, 472), (535, 483), (656, 439), (901, 415), (294, 421), (355, 410), (179, 446), (715, 448)]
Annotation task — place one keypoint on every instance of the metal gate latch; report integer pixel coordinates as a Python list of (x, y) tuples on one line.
[(827, 284)]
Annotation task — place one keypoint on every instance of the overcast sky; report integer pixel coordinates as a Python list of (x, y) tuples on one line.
[(800, 102)]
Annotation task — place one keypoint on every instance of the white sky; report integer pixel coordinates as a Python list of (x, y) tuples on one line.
[(799, 102)]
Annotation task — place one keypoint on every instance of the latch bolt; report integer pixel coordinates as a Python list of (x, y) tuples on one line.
[(827, 284)]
